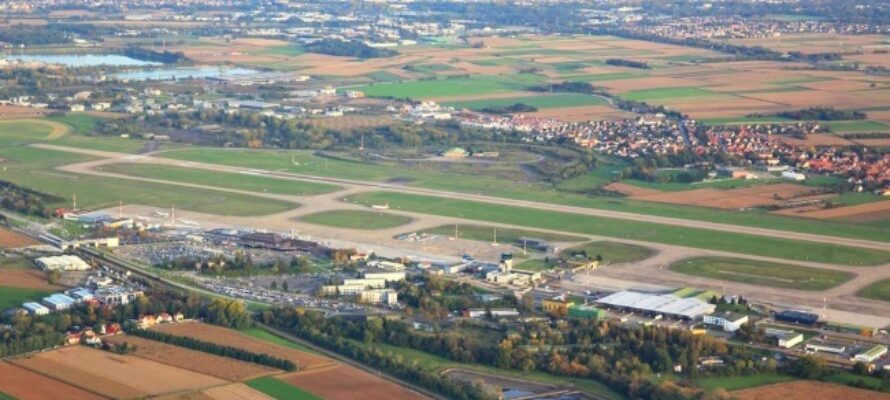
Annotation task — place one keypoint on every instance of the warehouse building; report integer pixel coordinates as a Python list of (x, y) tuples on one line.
[(729, 322), (387, 276), (63, 263), (58, 302), (872, 354), (653, 304), (784, 338), (35, 308), (797, 317), (825, 347)]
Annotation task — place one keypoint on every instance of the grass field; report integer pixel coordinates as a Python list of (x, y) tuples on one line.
[(857, 126), (475, 85), (731, 383), (226, 180), (4, 396), (846, 378), (614, 253), (537, 101), (266, 336), (280, 390), (15, 296), (485, 233), (356, 219), (761, 273), (878, 291), (644, 231)]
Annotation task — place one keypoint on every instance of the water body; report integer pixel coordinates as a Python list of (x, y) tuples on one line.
[(169, 74), (82, 60)]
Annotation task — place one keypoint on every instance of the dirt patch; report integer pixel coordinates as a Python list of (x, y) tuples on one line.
[(237, 391), (818, 139), (228, 337), (21, 112), (14, 240), (204, 363), (869, 212), (115, 375), (762, 195), (340, 383), (25, 278), (631, 190), (27, 385), (806, 390)]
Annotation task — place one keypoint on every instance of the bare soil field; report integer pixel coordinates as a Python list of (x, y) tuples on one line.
[(31, 279), (341, 381), (27, 385), (192, 360), (14, 240), (733, 198), (184, 396), (806, 390), (21, 112), (877, 211), (873, 142), (817, 140), (815, 42), (631, 190), (237, 391), (228, 337), (112, 374)]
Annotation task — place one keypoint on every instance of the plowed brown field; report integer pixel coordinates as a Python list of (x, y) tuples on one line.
[(342, 382), (14, 240), (808, 390), (238, 391), (27, 385)]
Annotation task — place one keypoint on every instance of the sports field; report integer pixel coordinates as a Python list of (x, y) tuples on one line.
[(761, 273), (612, 252), (644, 231), (879, 291), (356, 219)]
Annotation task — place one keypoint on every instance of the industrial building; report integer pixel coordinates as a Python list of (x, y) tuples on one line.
[(584, 311), (784, 339), (35, 308), (825, 347), (58, 302), (380, 296), (495, 312), (872, 354), (63, 263), (666, 305), (729, 322), (797, 317), (81, 295), (392, 276)]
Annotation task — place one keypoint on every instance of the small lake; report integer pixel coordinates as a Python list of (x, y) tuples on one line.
[(82, 60), (169, 74)]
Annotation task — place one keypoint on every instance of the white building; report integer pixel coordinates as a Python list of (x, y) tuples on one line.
[(825, 347), (63, 263), (391, 276), (367, 283), (666, 305), (58, 302), (872, 354), (35, 308), (729, 322), (380, 296), (794, 176), (784, 339)]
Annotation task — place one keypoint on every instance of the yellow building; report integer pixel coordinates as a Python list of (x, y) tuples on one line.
[(556, 306)]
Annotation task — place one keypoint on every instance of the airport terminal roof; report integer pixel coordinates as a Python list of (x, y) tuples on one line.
[(662, 304)]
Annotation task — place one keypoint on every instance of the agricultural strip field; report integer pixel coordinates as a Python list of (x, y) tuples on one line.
[(193, 360), (22, 384), (665, 93), (280, 390), (465, 86), (21, 273), (878, 291), (806, 390), (356, 219), (226, 180), (112, 374), (266, 336), (228, 337), (329, 384), (731, 383), (304, 162), (537, 101), (14, 240), (485, 233), (15, 296), (761, 273), (643, 231), (235, 391), (614, 253)]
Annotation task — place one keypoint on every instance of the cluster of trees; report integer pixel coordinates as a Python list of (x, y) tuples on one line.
[(510, 109), (240, 265), (165, 56), (213, 348), (823, 114), (336, 47), (24, 201), (51, 34), (620, 62), (228, 313), (437, 297)]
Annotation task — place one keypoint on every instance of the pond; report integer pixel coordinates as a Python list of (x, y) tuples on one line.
[(184, 73), (82, 60)]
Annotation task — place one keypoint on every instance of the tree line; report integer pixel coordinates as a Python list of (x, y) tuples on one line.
[(342, 48), (213, 348), (25, 201)]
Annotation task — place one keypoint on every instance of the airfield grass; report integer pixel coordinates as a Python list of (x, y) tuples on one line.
[(228, 180), (484, 233), (613, 252), (761, 273), (537, 101), (571, 192), (15, 296), (665, 93), (879, 290), (464, 86), (356, 219), (731, 383), (280, 390), (635, 230)]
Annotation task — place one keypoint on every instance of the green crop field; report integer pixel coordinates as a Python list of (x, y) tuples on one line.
[(15, 296), (665, 93), (485, 233), (745, 120), (476, 85), (537, 101), (644, 231), (857, 126), (731, 383), (356, 219), (251, 183), (4, 396), (879, 290), (570, 192), (280, 390), (761, 273), (614, 253), (266, 336)]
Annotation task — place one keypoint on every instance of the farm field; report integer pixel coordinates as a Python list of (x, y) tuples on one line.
[(878, 291), (266, 336), (15, 296), (339, 383), (260, 184), (21, 273), (761, 273), (485, 233), (431, 89), (304, 162), (650, 232), (235, 391), (14, 240), (733, 199), (612, 252), (22, 384), (805, 390), (280, 390), (228, 337), (540, 101), (732, 383), (193, 360), (111, 374), (356, 219)]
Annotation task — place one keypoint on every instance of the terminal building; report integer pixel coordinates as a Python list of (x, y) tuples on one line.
[(658, 304)]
